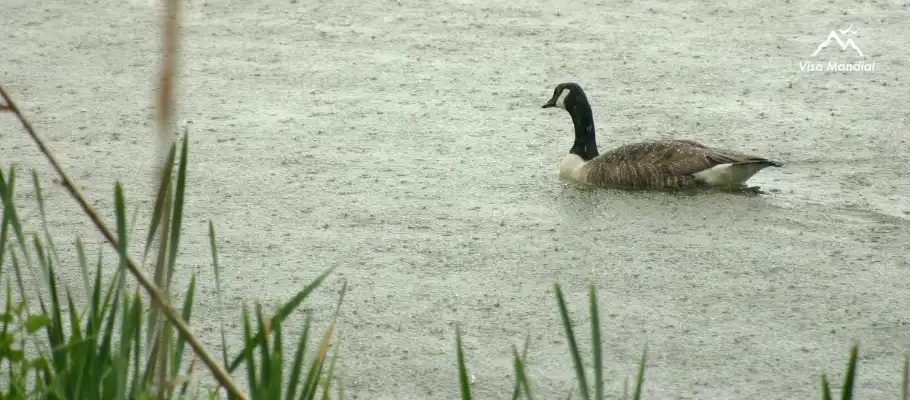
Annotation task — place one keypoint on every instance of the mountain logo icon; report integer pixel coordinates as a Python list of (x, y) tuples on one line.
[(844, 45)]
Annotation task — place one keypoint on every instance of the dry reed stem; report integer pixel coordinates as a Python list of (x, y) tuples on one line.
[(166, 106), (166, 101), (154, 294), (166, 98)]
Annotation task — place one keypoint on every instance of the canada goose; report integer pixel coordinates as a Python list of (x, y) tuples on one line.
[(661, 164)]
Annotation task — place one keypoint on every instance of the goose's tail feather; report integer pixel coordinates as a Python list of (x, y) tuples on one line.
[(770, 163)]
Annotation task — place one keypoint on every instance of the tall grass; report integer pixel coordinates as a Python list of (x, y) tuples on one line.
[(522, 383), (105, 349)]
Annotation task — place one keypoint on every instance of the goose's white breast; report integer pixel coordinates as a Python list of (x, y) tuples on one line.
[(571, 167)]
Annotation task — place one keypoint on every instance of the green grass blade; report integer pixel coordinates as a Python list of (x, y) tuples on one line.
[(112, 285), (137, 345), (83, 266), (152, 362), (905, 383), (573, 346), (297, 366), (95, 308), (8, 310), (177, 217), (78, 352), (121, 362), (121, 367), (311, 387), (596, 343), (128, 328), (56, 337), (160, 201), (9, 211), (17, 271), (850, 378), (285, 310), (249, 341), (47, 234), (265, 357), (109, 310), (112, 295), (134, 219), (122, 232), (276, 379), (826, 389), (520, 372), (43, 259), (516, 388), (105, 353), (7, 215), (312, 384), (186, 314), (11, 219), (327, 383), (217, 269), (463, 382), (158, 330), (153, 366), (308, 391), (639, 383), (93, 325)]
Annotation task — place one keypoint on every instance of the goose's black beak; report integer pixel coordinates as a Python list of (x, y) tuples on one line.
[(549, 104)]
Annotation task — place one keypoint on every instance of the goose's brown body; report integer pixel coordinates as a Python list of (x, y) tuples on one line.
[(667, 164)]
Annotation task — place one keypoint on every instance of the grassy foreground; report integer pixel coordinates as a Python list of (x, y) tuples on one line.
[(109, 348)]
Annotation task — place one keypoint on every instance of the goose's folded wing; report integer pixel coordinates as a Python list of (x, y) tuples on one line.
[(649, 164), (690, 160), (664, 163), (724, 156), (669, 157)]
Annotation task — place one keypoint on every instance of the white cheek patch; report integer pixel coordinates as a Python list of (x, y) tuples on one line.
[(561, 101)]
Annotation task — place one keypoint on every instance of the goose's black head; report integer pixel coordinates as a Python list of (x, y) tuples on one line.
[(569, 96), (566, 96)]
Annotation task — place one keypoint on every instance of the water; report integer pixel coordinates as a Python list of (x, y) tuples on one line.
[(404, 144)]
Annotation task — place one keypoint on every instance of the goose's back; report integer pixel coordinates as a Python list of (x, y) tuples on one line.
[(657, 164)]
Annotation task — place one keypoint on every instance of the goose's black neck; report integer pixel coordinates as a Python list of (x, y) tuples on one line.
[(585, 145)]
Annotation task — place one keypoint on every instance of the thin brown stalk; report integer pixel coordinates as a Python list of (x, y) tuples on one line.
[(166, 108), (155, 295), (166, 98)]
